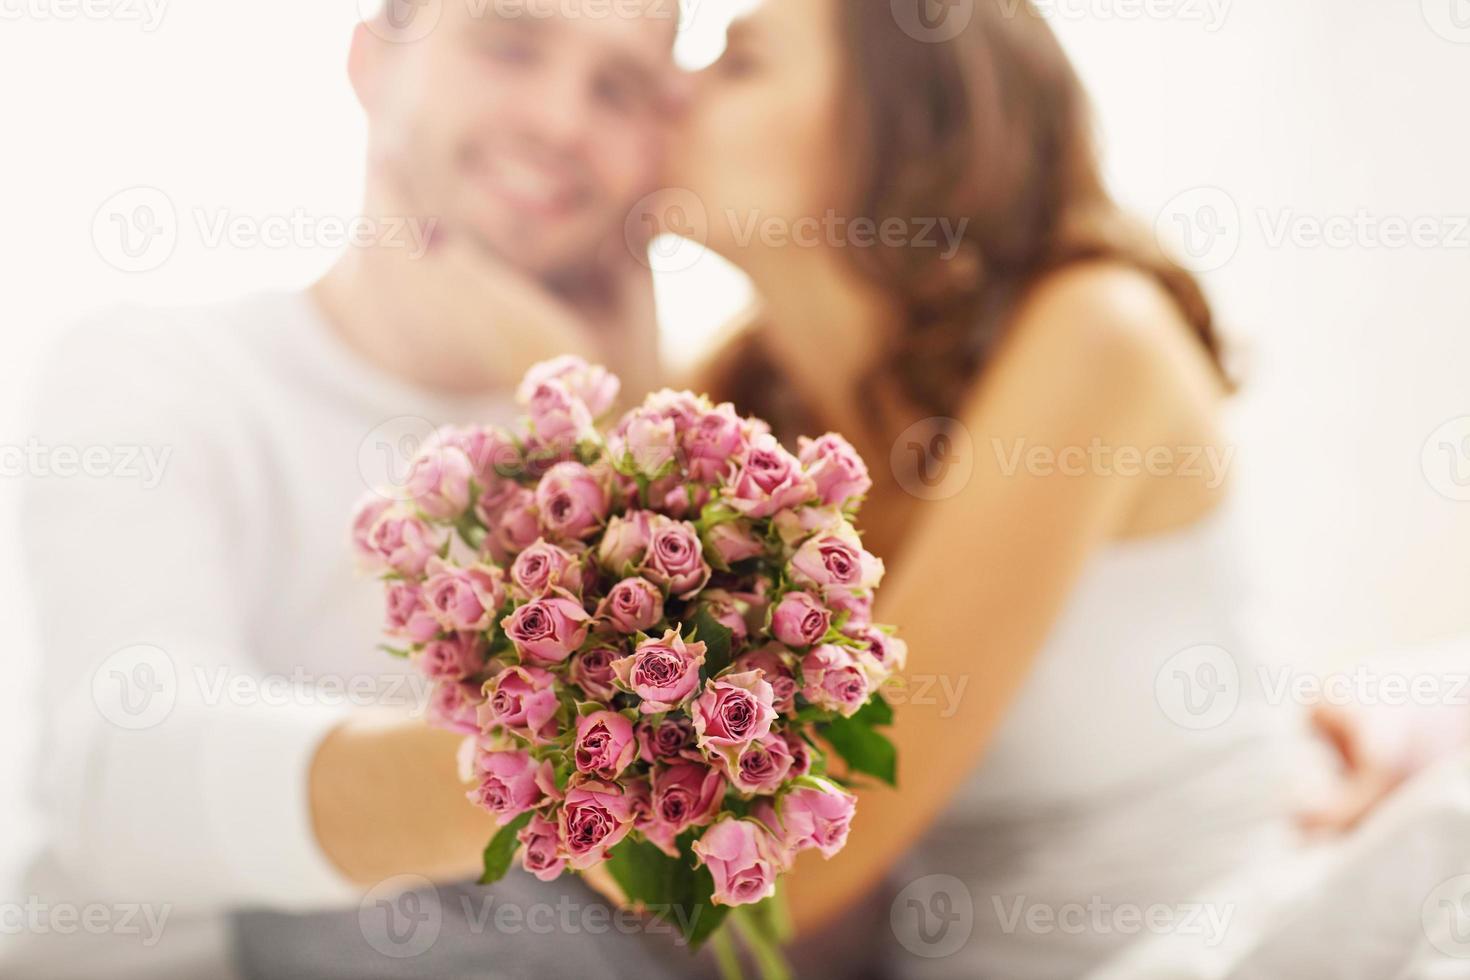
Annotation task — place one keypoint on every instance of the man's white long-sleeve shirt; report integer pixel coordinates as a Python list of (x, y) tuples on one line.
[(201, 623)]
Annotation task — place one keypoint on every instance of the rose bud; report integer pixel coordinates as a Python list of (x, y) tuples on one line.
[(463, 598), (605, 744), (644, 441), (513, 526), (522, 700), (408, 615), (666, 741), (508, 785), (404, 543), (831, 678), (733, 711), (634, 605), (663, 672), (799, 620), (882, 655), (768, 479), (685, 794), (801, 756), (453, 658), (455, 706), (816, 814), (624, 543), (761, 767), (595, 817), (733, 541), (571, 501), (593, 385), (742, 858), (771, 661), (713, 443), (540, 849), (675, 557), (839, 473), (371, 507), (592, 671), (547, 630), (558, 417), (439, 482), (543, 568), (491, 451), (729, 611)]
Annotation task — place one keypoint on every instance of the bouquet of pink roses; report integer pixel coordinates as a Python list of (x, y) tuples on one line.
[(651, 638)]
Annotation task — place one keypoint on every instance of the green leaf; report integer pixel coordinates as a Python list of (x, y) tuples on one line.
[(716, 639), (672, 888), (864, 749), (875, 713), (393, 651), (502, 849)]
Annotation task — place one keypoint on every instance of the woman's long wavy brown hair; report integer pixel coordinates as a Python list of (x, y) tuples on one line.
[(990, 128)]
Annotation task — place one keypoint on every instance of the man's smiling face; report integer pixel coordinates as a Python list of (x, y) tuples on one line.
[(530, 125)]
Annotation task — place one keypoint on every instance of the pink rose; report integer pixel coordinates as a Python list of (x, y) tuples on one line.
[(839, 473), (371, 507), (761, 766), (801, 755), (592, 671), (799, 620), (605, 744), (666, 741), (492, 453), (675, 557), (455, 706), (571, 501), (453, 658), (513, 525), (881, 655), (713, 443), (558, 417), (522, 700), (404, 543), (831, 678), (542, 568), (547, 630), (859, 608), (633, 605), (644, 441), (769, 479), (685, 794), (540, 849), (817, 814), (678, 501), (663, 672), (835, 563), (733, 541), (771, 661), (625, 542), (508, 784), (595, 817), (742, 858), (733, 711), (439, 482), (463, 598), (408, 616), (592, 384), (729, 611)]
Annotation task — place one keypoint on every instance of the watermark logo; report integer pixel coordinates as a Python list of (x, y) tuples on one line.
[(933, 21), (933, 459), (147, 14), (136, 687), (1198, 688), (933, 917), (1446, 459), (1446, 917), (667, 230), (401, 916), (386, 454), (401, 21), (1201, 228), (1450, 19), (136, 230)]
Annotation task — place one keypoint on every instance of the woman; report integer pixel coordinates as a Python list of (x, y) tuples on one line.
[(1065, 608)]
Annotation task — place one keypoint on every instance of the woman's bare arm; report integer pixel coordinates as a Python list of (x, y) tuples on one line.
[(1098, 354)]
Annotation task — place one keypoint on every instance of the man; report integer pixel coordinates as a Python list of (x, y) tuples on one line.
[(205, 642)]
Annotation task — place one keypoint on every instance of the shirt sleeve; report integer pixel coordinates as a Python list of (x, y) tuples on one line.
[(164, 775)]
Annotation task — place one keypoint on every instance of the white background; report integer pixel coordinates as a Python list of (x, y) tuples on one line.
[(1304, 111)]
